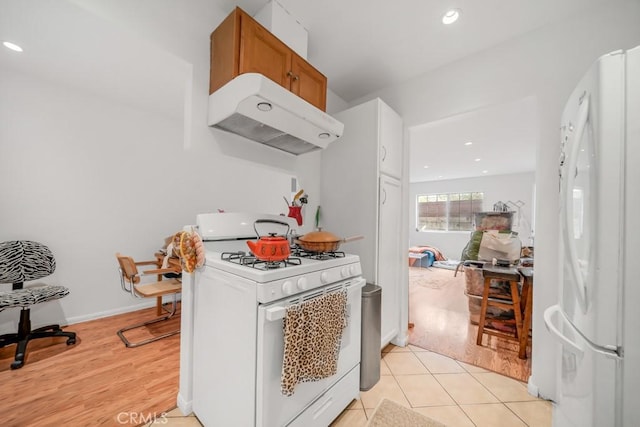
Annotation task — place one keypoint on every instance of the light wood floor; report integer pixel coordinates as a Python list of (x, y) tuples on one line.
[(97, 381), (100, 382), (441, 318)]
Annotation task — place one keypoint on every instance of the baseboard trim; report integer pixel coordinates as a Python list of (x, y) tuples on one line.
[(401, 340), (186, 407), (532, 389), (64, 322), (149, 302), (108, 313)]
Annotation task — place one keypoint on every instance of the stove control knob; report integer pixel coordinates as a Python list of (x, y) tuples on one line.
[(324, 277), (303, 284), (344, 272), (354, 270), (287, 288)]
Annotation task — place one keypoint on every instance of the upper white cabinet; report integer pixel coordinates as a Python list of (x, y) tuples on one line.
[(361, 194), (390, 150)]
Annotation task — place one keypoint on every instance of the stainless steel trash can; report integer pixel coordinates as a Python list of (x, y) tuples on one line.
[(370, 344)]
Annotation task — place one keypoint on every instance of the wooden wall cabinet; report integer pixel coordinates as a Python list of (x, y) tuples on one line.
[(241, 45)]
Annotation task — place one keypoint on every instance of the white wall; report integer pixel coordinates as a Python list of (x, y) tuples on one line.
[(546, 63), (91, 172), (496, 188)]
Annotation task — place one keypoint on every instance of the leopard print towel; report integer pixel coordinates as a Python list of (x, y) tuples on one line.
[(312, 336)]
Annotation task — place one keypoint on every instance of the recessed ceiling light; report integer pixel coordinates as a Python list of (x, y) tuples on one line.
[(426, 167), (451, 16), (468, 143), (12, 46), (485, 171), (440, 176), (477, 160)]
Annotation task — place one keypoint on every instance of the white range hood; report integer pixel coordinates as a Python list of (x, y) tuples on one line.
[(257, 108)]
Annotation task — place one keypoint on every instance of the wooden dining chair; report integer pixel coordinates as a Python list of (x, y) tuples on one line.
[(130, 280)]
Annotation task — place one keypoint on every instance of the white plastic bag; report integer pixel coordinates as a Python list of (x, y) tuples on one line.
[(501, 246)]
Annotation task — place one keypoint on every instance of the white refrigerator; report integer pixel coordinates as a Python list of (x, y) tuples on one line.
[(597, 319)]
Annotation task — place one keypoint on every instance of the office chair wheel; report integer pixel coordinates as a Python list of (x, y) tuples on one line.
[(17, 364), (71, 341)]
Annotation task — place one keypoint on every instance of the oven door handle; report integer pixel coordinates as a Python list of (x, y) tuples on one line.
[(275, 313)]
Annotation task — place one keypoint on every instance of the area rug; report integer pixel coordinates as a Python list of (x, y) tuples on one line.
[(390, 414), (432, 278)]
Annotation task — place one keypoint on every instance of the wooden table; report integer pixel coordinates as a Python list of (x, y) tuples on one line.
[(173, 263), (527, 309)]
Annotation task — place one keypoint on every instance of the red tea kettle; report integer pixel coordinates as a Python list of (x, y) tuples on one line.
[(271, 248)]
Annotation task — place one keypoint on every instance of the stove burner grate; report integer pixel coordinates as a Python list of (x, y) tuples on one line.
[(299, 252), (249, 260)]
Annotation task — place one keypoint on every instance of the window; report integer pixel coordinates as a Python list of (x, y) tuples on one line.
[(447, 212)]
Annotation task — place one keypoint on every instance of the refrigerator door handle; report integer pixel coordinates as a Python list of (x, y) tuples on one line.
[(569, 178), (575, 348), (548, 322)]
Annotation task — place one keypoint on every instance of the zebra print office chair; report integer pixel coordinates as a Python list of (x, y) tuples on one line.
[(22, 261)]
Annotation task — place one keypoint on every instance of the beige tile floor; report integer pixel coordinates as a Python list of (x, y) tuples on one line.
[(452, 392)]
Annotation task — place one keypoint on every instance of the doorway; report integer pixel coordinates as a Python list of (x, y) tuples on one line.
[(491, 151), (439, 311)]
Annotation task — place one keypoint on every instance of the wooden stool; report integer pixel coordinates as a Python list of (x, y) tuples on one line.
[(506, 274)]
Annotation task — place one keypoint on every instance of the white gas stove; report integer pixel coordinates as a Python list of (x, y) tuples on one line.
[(233, 362)]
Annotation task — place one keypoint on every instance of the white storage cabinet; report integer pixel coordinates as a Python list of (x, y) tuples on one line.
[(361, 194)]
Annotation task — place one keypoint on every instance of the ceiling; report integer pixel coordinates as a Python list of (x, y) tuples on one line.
[(362, 46), (503, 141), (67, 45)]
